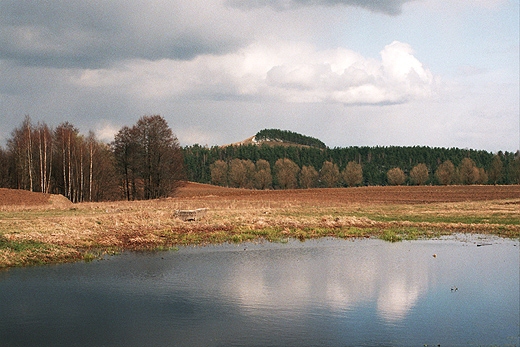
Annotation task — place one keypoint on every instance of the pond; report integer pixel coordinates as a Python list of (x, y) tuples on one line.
[(460, 291)]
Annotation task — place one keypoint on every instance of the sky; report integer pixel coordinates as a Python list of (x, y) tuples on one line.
[(439, 73)]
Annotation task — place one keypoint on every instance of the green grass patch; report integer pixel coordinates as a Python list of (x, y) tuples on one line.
[(410, 233), (20, 246), (166, 248), (270, 234), (391, 236), (430, 218), (89, 256), (29, 252)]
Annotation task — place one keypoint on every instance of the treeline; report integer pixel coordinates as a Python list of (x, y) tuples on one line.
[(288, 137), (143, 162), (379, 165)]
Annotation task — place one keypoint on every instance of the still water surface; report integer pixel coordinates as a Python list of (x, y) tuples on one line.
[(316, 293)]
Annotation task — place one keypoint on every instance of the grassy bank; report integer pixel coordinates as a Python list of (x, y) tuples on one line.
[(39, 235)]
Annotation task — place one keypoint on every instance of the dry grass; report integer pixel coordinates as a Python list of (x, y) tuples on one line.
[(49, 233)]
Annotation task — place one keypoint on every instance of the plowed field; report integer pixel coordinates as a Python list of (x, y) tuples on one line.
[(318, 196), (359, 195)]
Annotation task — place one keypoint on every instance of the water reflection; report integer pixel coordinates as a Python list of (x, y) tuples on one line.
[(339, 279), (317, 293)]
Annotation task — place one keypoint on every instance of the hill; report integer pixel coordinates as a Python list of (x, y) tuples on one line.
[(277, 137), (289, 137)]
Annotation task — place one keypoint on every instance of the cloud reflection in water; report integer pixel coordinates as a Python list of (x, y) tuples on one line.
[(337, 278)]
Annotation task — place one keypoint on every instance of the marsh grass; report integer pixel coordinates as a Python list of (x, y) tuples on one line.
[(91, 230), (20, 246), (391, 235), (440, 215), (28, 252)]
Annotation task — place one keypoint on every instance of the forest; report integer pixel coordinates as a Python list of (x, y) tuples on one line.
[(442, 165), (145, 161)]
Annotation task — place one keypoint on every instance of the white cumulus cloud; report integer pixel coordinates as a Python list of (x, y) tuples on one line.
[(105, 130), (293, 72)]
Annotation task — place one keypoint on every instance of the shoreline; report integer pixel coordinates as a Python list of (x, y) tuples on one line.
[(86, 231)]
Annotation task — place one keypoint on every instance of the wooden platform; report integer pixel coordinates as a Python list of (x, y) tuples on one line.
[(191, 215)]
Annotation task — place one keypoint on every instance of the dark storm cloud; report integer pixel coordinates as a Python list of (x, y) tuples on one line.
[(96, 34), (220, 70), (390, 7)]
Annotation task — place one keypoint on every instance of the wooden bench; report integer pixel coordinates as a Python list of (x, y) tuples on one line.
[(191, 215)]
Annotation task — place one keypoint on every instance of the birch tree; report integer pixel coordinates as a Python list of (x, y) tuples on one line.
[(44, 142), (21, 148)]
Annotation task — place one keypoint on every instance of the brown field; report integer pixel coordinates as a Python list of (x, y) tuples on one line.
[(364, 195), (40, 228)]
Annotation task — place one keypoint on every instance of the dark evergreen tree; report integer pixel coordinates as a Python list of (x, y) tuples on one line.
[(288, 137)]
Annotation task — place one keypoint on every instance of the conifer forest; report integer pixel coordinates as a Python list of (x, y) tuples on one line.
[(146, 161)]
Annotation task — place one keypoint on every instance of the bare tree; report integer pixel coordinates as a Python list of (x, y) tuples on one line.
[(263, 178), (20, 146), (495, 171), (159, 156), (329, 174), (125, 150), (4, 168), (483, 177), (58, 161), (105, 181), (353, 174), (28, 133), (468, 171), (65, 136), (445, 173), (81, 193), (237, 173), (69, 164), (286, 173), (309, 177), (91, 143), (395, 176), (419, 174), (250, 173), (44, 139), (219, 173), (513, 169)]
